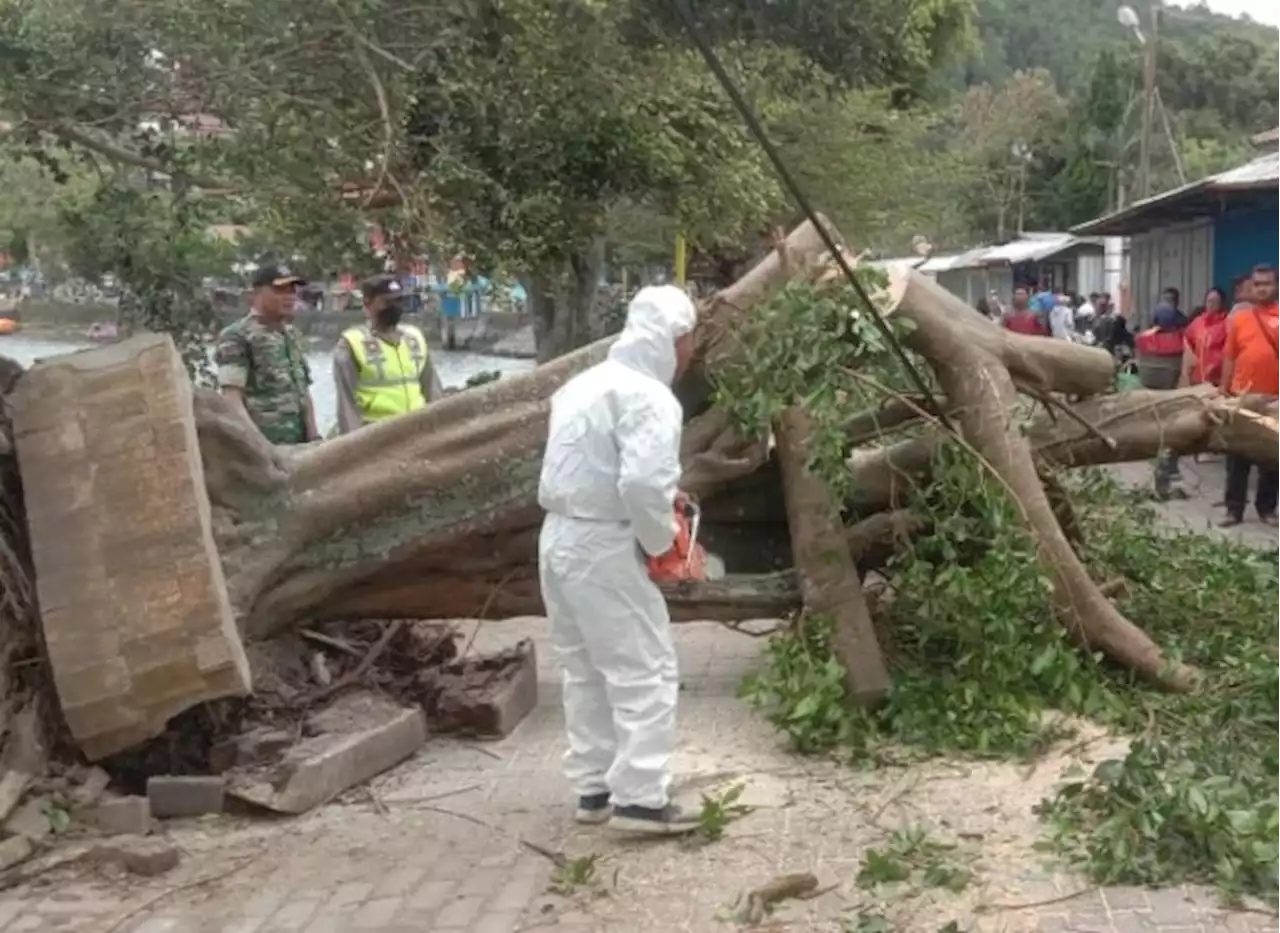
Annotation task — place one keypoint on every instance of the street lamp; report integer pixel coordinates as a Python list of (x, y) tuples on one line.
[(1128, 17), (1022, 155)]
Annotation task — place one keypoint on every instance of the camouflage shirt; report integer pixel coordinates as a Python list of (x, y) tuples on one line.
[(267, 362)]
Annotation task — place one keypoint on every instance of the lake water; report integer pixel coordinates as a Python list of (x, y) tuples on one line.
[(455, 368)]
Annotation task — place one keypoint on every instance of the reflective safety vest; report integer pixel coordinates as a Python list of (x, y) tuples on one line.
[(388, 376)]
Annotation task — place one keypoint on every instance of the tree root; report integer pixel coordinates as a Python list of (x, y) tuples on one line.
[(980, 386)]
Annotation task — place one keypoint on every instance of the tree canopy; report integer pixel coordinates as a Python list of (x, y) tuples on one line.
[(531, 134)]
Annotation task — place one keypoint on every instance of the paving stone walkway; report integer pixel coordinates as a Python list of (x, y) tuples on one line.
[(454, 839)]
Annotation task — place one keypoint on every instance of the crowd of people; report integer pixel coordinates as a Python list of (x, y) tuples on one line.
[(1231, 344)]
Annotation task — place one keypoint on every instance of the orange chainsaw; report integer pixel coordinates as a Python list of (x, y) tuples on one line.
[(687, 560)]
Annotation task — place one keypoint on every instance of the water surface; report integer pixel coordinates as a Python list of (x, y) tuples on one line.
[(455, 367)]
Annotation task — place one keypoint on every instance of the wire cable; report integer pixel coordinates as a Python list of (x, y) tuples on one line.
[(685, 15)]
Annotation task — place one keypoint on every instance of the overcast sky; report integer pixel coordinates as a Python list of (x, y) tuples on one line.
[(1264, 11)]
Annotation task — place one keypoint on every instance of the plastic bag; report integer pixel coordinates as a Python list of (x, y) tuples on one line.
[(1127, 378)]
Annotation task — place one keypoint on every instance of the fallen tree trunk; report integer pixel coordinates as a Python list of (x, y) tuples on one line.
[(437, 510), (433, 515), (1125, 427)]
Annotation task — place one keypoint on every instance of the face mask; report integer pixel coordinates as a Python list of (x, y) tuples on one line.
[(389, 316)]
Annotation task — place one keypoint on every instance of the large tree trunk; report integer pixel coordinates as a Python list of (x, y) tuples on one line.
[(434, 514), (564, 306)]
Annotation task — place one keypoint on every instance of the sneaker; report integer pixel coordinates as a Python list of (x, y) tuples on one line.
[(594, 809), (1231, 521), (670, 820)]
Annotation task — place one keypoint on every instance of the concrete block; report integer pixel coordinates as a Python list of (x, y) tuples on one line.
[(174, 795), (15, 850), (111, 514), (29, 820), (12, 786), (122, 816), (362, 735)]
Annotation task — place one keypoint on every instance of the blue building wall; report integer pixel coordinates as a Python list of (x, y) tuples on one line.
[(1243, 239)]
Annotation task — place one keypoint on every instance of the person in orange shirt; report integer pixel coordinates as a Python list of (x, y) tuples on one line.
[(1251, 366)]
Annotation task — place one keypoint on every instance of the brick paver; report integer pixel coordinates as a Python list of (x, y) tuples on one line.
[(436, 844)]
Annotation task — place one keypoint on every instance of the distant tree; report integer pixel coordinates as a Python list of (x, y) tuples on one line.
[(1000, 134), (1098, 140)]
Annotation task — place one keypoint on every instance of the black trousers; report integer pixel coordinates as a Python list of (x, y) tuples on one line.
[(1238, 487)]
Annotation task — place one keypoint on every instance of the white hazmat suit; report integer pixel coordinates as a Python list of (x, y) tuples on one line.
[(609, 481)]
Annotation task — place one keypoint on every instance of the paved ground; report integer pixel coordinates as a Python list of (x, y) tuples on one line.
[(1203, 482), (448, 841), (436, 844)]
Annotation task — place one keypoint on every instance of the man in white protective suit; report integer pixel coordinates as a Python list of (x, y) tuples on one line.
[(609, 485)]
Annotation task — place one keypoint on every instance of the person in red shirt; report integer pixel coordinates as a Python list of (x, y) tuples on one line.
[(1251, 366), (1022, 320), (1206, 341)]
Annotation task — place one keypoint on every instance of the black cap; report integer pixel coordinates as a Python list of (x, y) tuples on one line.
[(276, 275), (378, 285)]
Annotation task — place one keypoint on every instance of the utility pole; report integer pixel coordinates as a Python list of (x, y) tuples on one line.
[(1149, 53)]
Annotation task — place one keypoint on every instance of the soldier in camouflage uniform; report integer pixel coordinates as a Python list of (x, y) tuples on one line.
[(261, 364)]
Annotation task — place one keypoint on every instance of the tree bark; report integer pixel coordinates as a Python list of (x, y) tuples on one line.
[(564, 305), (828, 578)]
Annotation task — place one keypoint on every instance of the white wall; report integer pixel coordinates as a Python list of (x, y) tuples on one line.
[(1090, 274)]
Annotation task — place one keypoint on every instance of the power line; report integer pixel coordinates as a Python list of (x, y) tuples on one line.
[(753, 124)]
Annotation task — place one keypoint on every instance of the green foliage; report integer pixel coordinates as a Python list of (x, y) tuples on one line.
[(861, 44), (780, 365), (718, 811), (535, 122), (577, 874), (1217, 78), (911, 855), (1004, 132), (160, 248), (1196, 796), (801, 689), (982, 669), (972, 611), (1100, 139)]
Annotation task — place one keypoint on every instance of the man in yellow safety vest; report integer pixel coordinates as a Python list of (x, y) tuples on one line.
[(383, 368)]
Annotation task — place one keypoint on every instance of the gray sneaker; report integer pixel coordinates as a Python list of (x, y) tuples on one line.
[(594, 809), (670, 820)]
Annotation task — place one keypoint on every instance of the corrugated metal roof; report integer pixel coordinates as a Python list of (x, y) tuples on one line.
[(1194, 199), (1259, 173), (1028, 250), (1030, 247)]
